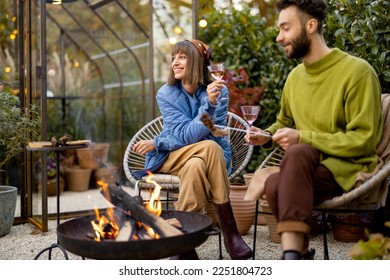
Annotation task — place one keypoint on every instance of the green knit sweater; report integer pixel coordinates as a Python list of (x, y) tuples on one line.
[(335, 104)]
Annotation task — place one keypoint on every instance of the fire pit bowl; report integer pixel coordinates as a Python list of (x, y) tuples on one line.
[(73, 237)]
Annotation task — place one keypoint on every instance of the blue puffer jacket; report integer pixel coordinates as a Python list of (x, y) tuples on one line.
[(182, 126)]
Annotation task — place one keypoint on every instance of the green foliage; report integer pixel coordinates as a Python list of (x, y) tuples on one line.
[(377, 247), (17, 126), (361, 27), (240, 93), (245, 41)]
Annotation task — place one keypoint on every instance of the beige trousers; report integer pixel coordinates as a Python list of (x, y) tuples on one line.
[(201, 169)]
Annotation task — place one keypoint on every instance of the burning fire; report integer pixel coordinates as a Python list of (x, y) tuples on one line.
[(106, 227), (154, 204)]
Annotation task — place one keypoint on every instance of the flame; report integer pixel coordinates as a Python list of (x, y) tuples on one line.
[(154, 204), (104, 187), (105, 226), (151, 232)]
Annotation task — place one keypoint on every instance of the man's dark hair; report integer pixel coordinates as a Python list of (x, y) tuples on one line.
[(313, 8)]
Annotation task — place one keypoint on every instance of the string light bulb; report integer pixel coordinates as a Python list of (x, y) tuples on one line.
[(178, 29), (172, 40), (203, 23)]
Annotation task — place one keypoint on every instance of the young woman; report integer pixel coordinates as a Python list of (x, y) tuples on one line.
[(187, 148)]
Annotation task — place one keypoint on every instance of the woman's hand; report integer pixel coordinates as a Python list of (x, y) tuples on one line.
[(214, 90), (285, 137), (256, 139), (144, 146)]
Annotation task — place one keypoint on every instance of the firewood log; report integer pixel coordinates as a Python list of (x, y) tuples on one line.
[(122, 200)]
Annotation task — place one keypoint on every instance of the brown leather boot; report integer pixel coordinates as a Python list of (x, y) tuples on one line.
[(190, 255), (234, 244)]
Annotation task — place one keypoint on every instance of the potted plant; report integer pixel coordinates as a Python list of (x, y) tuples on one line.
[(51, 165), (17, 126)]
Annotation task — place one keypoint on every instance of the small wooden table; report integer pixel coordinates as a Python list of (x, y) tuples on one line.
[(57, 150)]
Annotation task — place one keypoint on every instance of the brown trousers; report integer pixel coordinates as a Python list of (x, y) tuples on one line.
[(201, 169), (301, 183)]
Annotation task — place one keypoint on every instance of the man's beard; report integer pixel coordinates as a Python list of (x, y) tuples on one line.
[(300, 46)]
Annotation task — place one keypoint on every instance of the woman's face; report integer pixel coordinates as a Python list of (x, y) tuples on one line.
[(179, 63)]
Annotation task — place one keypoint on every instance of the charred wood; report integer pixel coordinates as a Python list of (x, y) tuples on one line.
[(130, 205)]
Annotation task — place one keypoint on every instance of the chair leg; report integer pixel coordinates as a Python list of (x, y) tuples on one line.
[(255, 230), (324, 234)]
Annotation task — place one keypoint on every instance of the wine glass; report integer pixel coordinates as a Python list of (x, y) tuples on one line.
[(217, 70), (250, 113)]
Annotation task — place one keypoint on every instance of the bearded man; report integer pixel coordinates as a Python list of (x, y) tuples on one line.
[(330, 124)]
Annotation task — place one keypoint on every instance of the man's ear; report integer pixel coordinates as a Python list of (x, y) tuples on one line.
[(311, 25)]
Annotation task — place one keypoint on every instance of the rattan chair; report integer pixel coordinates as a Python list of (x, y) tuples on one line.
[(241, 155), (357, 200)]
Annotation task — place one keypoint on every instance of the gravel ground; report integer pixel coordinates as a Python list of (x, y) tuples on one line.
[(24, 242)]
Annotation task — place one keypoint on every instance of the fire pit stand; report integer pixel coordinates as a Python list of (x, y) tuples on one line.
[(53, 246), (78, 235)]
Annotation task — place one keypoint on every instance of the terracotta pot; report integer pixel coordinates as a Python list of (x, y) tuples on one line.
[(260, 216), (94, 156), (52, 186), (350, 227), (209, 211), (243, 210), (271, 221), (261, 221), (77, 179), (247, 178), (107, 174)]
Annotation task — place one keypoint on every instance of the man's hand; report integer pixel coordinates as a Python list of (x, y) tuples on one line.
[(143, 146), (256, 139), (286, 137)]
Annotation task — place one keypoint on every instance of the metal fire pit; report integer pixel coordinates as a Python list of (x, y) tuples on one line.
[(73, 237)]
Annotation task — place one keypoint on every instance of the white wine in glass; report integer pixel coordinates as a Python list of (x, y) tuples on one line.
[(250, 113), (217, 70)]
